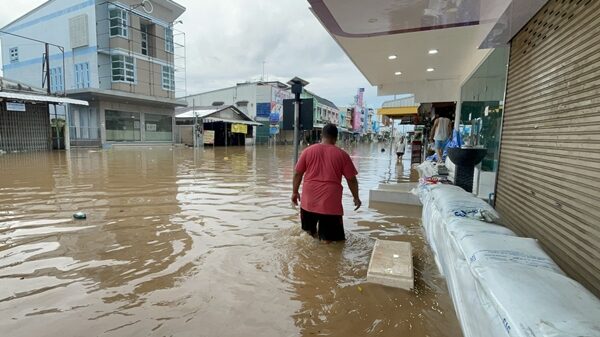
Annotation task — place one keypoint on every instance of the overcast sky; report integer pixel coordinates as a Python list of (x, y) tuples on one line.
[(228, 40)]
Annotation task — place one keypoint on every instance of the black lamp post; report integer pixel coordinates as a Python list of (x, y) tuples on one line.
[(297, 85)]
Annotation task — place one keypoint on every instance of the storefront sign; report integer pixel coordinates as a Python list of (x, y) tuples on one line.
[(209, 137), (15, 107), (151, 127), (274, 118), (239, 128)]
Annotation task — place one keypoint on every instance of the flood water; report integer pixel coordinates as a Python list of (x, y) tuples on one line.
[(180, 242)]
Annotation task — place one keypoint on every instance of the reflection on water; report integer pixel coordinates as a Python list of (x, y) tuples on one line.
[(198, 243)]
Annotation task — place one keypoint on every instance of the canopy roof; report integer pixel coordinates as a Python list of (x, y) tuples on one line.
[(226, 114)]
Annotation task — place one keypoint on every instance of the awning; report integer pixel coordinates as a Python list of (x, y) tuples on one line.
[(404, 111), (233, 121), (195, 113), (40, 98)]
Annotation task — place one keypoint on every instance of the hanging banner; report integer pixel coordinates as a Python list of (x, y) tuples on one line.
[(209, 137), (239, 128), (277, 97)]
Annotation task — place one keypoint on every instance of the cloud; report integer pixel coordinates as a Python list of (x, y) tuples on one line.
[(228, 40)]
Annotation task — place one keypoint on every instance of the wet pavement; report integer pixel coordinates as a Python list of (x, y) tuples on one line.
[(180, 242)]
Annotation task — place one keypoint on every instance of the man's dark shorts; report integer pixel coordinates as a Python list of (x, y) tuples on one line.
[(327, 227)]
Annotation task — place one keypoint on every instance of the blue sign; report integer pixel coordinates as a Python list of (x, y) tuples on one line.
[(274, 130), (263, 109), (274, 118)]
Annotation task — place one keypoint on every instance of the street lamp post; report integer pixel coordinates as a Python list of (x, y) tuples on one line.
[(297, 85)]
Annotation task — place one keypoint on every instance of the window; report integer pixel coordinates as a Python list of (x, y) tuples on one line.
[(169, 40), (158, 128), (144, 30), (168, 78), (82, 75), (122, 126), (83, 123), (56, 80), (14, 54), (119, 22), (123, 68)]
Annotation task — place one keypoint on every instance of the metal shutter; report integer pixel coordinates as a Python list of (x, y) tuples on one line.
[(549, 175)]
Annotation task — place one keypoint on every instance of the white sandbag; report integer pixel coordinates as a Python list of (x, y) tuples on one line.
[(538, 302), (486, 249), (569, 329), (532, 295), (477, 314), (459, 228), (426, 169), (454, 201)]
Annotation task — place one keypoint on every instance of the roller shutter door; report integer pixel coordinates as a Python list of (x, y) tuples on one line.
[(25, 130), (549, 175)]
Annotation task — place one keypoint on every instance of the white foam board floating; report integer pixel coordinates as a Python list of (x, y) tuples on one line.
[(391, 264)]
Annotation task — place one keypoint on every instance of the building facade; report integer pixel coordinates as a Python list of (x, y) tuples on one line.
[(121, 56), (525, 78), (262, 101), (324, 112)]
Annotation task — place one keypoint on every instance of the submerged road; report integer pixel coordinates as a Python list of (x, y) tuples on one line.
[(180, 242)]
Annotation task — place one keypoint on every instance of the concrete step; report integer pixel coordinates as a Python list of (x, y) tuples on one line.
[(405, 187), (391, 264), (395, 194)]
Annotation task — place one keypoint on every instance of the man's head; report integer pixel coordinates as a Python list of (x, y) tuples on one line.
[(330, 133)]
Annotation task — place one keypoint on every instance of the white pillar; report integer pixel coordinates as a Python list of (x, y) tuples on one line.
[(457, 113), (67, 127)]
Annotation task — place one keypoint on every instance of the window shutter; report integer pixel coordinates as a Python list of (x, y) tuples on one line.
[(78, 30)]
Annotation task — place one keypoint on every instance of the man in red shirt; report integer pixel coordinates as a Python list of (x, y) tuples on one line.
[(322, 167)]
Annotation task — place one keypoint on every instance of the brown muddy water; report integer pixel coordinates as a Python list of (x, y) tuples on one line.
[(199, 243)]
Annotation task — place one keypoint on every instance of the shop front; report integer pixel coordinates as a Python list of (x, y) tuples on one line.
[(217, 126), (481, 110), (123, 126)]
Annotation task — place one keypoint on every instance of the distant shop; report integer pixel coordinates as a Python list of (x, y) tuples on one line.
[(25, 121), (217, 126)]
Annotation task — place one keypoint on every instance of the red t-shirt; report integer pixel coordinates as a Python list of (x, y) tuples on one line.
[(323, 166)]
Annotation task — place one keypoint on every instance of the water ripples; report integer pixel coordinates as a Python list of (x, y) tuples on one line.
[(182, 242)]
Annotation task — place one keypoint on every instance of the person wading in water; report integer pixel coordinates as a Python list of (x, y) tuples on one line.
[(322, 167)]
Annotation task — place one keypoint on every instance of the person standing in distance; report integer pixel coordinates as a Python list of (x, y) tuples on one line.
[(322, 167), (400, 148), (440, 133)]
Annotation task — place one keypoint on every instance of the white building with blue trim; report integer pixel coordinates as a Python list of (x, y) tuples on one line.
[(120, 56)]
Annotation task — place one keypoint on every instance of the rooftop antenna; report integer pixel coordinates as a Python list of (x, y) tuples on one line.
[(262, 79)]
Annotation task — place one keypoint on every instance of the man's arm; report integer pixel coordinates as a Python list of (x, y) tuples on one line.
[(353, 185), (296, 187)]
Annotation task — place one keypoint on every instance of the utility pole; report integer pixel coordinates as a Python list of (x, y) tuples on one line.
[(195, 128), (47, 68)]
